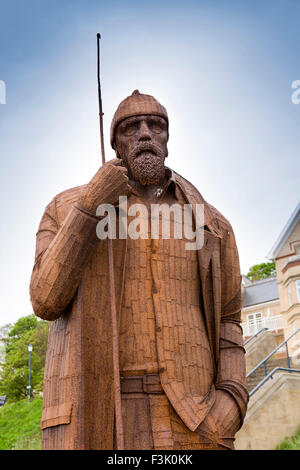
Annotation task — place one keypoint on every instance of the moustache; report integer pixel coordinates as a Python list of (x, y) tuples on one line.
[(145, 147)]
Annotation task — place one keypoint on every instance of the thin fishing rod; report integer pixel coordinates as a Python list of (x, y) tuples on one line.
[(112, 290)]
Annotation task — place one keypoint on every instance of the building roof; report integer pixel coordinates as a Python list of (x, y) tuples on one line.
[(259, 292), (288, 228)]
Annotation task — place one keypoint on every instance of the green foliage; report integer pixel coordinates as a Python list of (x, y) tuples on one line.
[(261, 271), (20, 425), (292, 443), (15, 370)]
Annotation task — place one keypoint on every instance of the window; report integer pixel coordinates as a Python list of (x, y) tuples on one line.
[(254, 321), (298, 290)]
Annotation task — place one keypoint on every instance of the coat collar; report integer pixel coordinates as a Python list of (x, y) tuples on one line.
[(193, 196)]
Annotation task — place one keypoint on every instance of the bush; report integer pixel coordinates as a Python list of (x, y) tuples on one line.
[(292, 443)]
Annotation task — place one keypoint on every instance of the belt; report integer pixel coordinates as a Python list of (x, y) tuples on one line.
[(148, 383)]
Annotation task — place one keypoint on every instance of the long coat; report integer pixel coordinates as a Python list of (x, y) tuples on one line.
[(69, 286)]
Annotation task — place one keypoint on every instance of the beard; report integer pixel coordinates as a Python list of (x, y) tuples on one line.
[(147, 163)]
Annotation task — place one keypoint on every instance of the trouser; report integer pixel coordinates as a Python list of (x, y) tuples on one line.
[(150, 422)]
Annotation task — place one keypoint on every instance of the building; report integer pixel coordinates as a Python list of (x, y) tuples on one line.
[(273, 371), (274, 303)]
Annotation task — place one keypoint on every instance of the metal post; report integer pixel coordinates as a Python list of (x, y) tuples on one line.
[(265, 367), (287, 355)]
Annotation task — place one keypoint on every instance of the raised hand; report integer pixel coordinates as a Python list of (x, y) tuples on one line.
[(110, 182)]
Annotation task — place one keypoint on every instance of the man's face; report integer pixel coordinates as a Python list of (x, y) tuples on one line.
[(142, 144)]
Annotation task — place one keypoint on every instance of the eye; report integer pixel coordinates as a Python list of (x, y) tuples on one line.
[(157, 125), (130, 128)]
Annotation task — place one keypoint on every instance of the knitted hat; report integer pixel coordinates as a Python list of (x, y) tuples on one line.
[(136, 105)]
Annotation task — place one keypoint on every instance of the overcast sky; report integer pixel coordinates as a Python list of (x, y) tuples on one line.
[(224, 71)]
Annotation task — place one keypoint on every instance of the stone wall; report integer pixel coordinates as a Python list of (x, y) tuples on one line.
[(273, 413), (258, 348)]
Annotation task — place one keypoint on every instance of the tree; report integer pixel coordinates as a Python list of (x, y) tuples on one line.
[(15, 369), (261, 271), (4, 330)]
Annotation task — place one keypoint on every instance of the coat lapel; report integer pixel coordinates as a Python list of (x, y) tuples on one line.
[(209, 264)]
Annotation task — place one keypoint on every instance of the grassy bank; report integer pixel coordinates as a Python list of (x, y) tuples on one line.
[(20, 425), (292, 443)]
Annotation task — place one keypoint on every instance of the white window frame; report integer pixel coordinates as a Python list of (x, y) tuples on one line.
[(255, 322), (298, 289)]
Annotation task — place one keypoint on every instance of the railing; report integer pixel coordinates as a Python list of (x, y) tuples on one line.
[(270, 375), (272, 323), (263, 362), (254, 336)]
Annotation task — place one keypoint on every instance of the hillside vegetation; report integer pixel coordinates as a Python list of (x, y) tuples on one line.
[(20, 425)]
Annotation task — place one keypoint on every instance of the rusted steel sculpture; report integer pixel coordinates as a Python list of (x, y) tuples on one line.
[(181, 355)]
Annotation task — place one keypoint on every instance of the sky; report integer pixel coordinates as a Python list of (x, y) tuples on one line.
[(223, 70)]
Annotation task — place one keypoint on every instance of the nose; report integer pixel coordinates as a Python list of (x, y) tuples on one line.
[(144, 132)]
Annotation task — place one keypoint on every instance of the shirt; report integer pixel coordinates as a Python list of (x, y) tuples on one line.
[(161, 303)]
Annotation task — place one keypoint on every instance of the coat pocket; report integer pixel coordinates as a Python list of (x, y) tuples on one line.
[(55, 415)]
